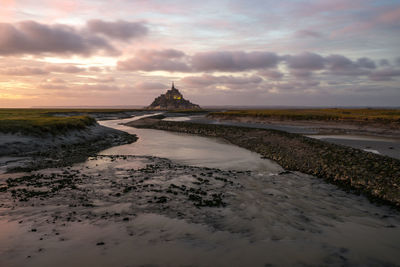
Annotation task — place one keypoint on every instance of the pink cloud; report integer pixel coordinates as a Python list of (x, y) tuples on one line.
[(60, 68), (384, 74), (308, 34), (299, 73), (23, 71), (390, 17), (146, 86), (121, 29), (271, 74), (323, 6), (152, 60), (207, 80), (55, 80), (29, 37), (306, 60), (341, 65), (387, 18), (233, 60)]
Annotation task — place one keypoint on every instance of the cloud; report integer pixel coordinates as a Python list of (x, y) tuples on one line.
[(366, 63), (95, 69), (152, 60), (121, 29), (64, 68), (108, 79), (386, 19), (33, 38), (43, 70), (306, 60), (296, 86), (384, 62), (55, 80), (308, 8), (207, 80), (79, 88), (271, 74), (23, 71), (390, 17), (233, 61), (299, 73), (341, 65), (385, 74), (29, 37), (339, 62), (53, 86), (146, 86), (307, 34), (300, 65)]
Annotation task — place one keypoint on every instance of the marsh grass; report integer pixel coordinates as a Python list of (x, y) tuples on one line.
[(330, 114), (47, 121)]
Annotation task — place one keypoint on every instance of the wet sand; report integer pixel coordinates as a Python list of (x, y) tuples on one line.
[(137, 210)]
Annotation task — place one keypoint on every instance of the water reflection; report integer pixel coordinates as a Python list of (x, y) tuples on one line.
[(189, 149)]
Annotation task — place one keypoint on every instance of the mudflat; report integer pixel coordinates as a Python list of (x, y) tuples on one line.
[(376, 176)]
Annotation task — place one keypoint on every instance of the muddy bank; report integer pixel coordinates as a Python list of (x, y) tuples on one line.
[(320, 127), (20, 152), (377, 177)]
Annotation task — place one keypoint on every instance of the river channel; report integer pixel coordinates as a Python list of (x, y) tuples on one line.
[(146, 205)]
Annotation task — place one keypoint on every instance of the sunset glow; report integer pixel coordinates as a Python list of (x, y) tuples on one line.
[(108, 53)]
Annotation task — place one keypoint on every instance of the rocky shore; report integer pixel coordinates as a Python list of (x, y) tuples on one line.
[(318, 126), (376, 176)]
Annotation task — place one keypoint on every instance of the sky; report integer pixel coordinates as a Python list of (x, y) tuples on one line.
[(225, 52)]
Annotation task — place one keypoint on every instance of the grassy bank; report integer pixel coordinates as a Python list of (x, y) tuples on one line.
[(385, 116), (44, 121), (375, 176), (38, 127)]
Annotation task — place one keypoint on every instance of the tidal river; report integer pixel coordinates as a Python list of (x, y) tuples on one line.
[(181, 200)]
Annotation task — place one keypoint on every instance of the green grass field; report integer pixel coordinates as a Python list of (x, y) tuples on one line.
[(329, 114), (43, 121)]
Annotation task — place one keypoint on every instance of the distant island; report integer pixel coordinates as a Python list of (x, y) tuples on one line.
[(172, 100)]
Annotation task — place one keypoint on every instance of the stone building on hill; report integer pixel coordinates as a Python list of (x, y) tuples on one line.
[(172, 100)]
